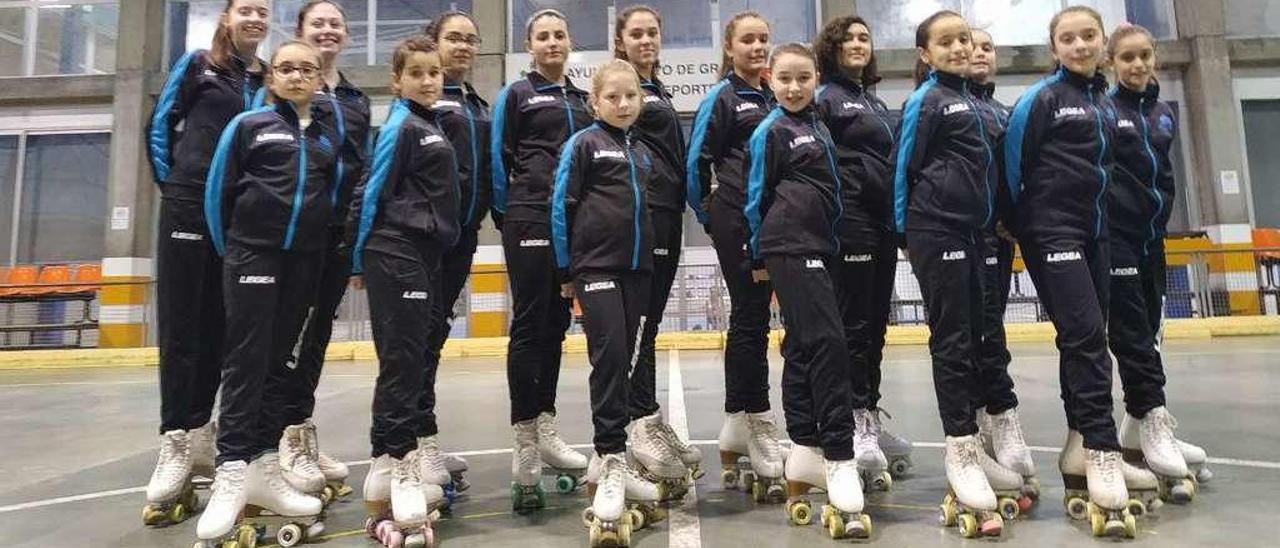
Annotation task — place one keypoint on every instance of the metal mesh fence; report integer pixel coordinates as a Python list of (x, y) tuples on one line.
[(1199, 284)]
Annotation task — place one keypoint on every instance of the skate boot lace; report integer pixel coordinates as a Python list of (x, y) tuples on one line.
[(311, 440), (668, 436), (764, 434), (967, 456), (429, 455), (865, 429), (1006, 430), (613, 476), (173, 449), (1105, 464), (661, 446), (548, 432), (300, 458), (228, 480), (1161, 430), (405, 470)]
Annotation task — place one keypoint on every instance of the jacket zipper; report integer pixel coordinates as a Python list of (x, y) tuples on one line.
[(300, 188), (635, 191)]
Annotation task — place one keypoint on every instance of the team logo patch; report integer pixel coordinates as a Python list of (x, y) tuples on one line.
[(955, 108), (535, 243), (652, 99), (189, 236), (958, 255), (537, 99), (1125, 271), (1122, 124), (1063, 256), (746, 106), (859, 258), (257, 280), (803, 140), (599, 286), (1068, 111), (992, 261), (268, 137), (611, 154), (414, 295), (850, 104), (430, 140), (816, 264), (661, 251), (445, 103)]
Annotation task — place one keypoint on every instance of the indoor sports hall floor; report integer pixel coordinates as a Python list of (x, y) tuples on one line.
[(77, 445)]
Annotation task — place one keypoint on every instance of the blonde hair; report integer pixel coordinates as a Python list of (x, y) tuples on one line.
[(609, 67)]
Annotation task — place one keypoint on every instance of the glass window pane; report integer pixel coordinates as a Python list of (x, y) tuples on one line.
[(1010, 22), (76, 39), (13, 24), (685, 23), (1155, 15), (588, 22), (1253, 18), (8, 174), (1262, 141), (789, 21), (64, 198), (390, 35), (418, 10)]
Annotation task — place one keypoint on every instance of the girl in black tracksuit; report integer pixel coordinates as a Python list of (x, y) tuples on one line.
[(205, 90), (1058, 163), (349, 108), (726, 118), (603, 241), (532, 118), (267, 203), (864, 271)]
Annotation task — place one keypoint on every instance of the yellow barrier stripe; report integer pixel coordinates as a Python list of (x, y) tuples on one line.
[(1196, 328)]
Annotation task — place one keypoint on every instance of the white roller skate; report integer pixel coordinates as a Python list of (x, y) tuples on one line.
[(1013, 496), (526, 469), (754, 436), (895, 448), (621, 501), (866, 446), (1141, 484), (1002, 437), (204, 453), (558, 458), (296, 463), (1197, 461), (655, 461), (248, 498), (432, 468), (335, 473), (171, 497), (969, 504), (688, 454), (1108, 498), (457, 467), (806, 471), (1149, 441), (400, 505)]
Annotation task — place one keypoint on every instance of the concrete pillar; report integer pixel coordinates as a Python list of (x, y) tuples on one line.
[(836, 8), (488, 301), (130, 190), (1218, 152)]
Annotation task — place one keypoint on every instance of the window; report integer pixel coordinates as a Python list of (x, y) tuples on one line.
[(1253, 18), (380, 22), (63, 197), (1262, 139), (1010, 22), (8, 177), (39, 37), (687, 23)]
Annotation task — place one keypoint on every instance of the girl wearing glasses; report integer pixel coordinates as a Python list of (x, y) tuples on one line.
[(267, 206), (205, 90)]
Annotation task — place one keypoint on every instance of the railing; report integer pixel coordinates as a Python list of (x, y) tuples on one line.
[(1199, 284)]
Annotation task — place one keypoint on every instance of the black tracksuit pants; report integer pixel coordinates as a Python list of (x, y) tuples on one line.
[(815, 380), (863, 277), (668, 232), (539, 321), (746, 364), (267, 293), (948, 266), (401, 287), (189, 315), (1137, 298), (613, 308), (305, 360), (455, 267), (1072, 279), (995, 385)]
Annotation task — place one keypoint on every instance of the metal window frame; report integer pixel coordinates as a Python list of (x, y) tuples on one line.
[(31, 28)]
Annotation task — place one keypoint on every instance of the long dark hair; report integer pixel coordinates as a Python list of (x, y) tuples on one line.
[(436, 26), (618, 25), (223, 47), (922, 41), (830, 44), (726, 61)]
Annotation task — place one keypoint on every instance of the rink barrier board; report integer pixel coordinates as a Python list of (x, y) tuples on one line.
[(1198, 328)]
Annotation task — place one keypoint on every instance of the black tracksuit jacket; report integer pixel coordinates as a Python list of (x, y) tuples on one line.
[(862, 129), (725, 121), (1141, 193)]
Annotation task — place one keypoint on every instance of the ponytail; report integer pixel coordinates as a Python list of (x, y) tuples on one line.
[(223, 47), (923, 33), (726, 60)]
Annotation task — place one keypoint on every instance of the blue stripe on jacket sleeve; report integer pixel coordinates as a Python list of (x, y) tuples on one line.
[(158, 138), (214, 180), (499, 169), (693, 177), (906, 149), (758, 147), (1016, 133), (559, 213), (384, 156)]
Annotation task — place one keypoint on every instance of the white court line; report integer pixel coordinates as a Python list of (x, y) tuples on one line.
[(1224, 461), (685, 530)]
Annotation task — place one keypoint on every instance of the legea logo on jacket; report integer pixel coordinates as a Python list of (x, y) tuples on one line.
[(443, 103), (1125, 271), (958, 255), (652, 99), (850, 104), (816, 264), (1063, 256), (802, 140), (954, 108), (1125, 124), (257, 280), (537, 99), (414, 295), (430, 140), (746, 106), (611, 154), (599, 286), (1068, 111), (267, 137), (859, 258)]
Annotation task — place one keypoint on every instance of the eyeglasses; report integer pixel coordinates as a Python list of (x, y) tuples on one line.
[(458, 38), (307, 72)]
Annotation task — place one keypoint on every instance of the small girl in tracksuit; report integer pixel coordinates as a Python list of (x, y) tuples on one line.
[(603, 241), (793, 210), (403, 216)]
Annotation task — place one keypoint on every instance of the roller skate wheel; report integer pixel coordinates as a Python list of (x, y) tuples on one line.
[(326, 495), (800, 513), (947, 515), (774, 492), (1097, 521), (757, 491), (152, 515), (899, 467), (593, 535), (566, 483), (247, 536), (1130, 526), (1136, 508), (1025, 503), (1032, 487), (1203, 475), (865, 520), (1009, 508), (884, 481), (1182, 491), (729, 478), (289, 535), (1077, 508), (835, 524), (748, 478), (588, 517), (968, 525), (637, 518), (315, 529)]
